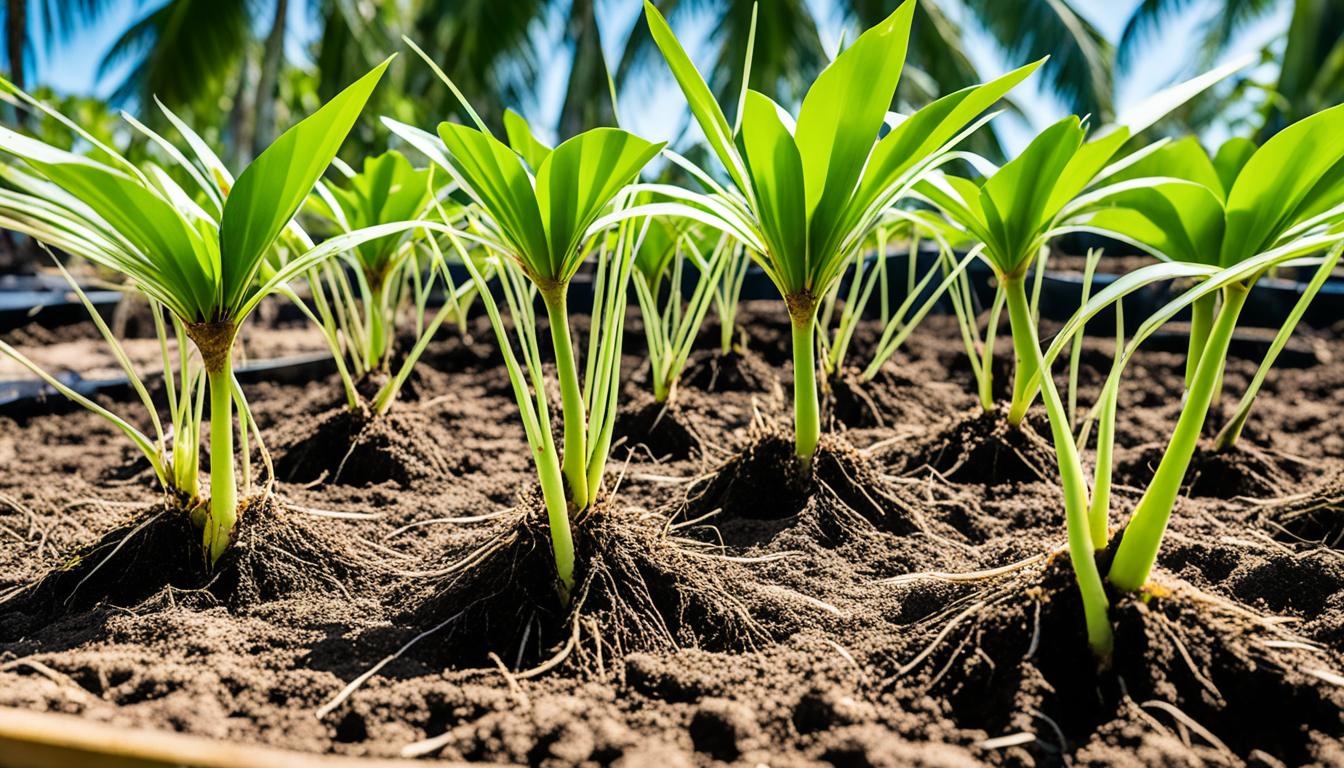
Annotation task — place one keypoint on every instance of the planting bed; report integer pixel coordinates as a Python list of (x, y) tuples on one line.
[(776, 631)]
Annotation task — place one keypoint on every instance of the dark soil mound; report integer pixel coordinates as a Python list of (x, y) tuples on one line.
[(890, 398), (275, 554), (661, 431), (765, 481), (1240, 471), (743, 371), (356, 448), (984, 448), (636, 589), (1190, 672)]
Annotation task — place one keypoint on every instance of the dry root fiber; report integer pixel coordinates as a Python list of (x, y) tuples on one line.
[(638, 588), (1314, 518), (157, 553), (1008, 656)]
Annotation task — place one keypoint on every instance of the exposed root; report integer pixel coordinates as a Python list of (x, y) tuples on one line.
[(844, 493), (156, 554), (1314, 518), (1191, 658), (357, 448), (638, 589)]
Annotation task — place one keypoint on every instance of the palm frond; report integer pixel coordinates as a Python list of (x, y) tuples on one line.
[(1080, 67)]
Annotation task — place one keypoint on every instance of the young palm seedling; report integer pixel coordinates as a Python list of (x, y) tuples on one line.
[(849, 389), (1056, 183), (808, 193), (1283, 204), (388, 189), (671, 323), (539, 220), (1015, 212), (173, 451), (367, 304), (201, 264)]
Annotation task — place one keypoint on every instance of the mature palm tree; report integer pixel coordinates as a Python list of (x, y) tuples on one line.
[(195, 55), (1311, 72), (52, 20), (786, 57)]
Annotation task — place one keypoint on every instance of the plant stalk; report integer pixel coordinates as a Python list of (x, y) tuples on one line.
[(557, 517), (575, 463), (1025, 347), (377, 327), (223, 513), (806, 409), (1082, 553), (1201, 323), (1143, 534)]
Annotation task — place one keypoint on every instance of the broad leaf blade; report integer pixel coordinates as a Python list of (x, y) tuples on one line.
[(776, 172), (1017, 198), (698, 96), (523, 141), (1270, 191), (1230, 159), (494, 176), (1179, 220), (842, 114), (578, 180), (273, 187)]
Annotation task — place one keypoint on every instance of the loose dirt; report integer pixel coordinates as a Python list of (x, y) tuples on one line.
[(729, 610)]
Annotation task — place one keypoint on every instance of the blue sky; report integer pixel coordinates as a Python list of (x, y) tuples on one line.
[(72, 68)]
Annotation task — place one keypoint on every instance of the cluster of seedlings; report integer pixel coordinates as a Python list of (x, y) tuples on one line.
[(505, 228)]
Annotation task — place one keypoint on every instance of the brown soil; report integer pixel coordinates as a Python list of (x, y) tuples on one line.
[(730, 608), (659, 431), (737, 371)]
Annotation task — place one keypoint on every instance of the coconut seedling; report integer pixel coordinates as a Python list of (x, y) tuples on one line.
[(359, 298), (172, 450), (1285, 204), (671, 323), (539, 221), (667, 261), (201, 263), (807, 193), (1015, 212), (1178, 222)]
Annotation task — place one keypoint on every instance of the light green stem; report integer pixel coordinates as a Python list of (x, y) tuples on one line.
[(985, 385), (223, 491), (806, 410), (571, 397), (1201, 323), (1143, 535), (1082, 552), (1230, 433), (1099, 516), (557, 515), (378, 327), (1024, 342)]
